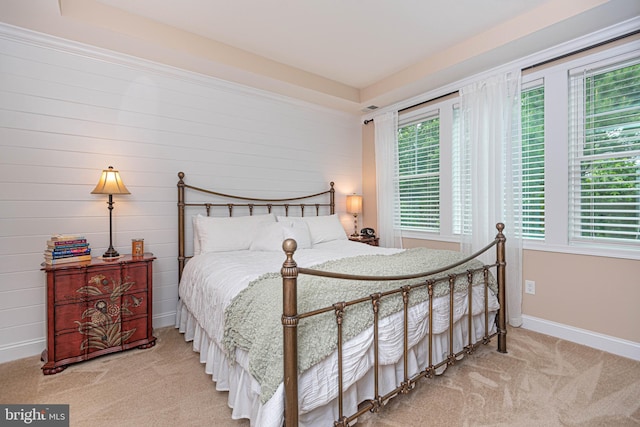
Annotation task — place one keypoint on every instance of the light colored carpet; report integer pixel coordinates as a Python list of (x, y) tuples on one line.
[(542, 381)]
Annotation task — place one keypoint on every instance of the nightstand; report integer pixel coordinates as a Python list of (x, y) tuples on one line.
[(372, 241), (97, 307)]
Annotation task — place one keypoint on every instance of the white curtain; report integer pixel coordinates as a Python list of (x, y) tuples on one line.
[(490, 156), (386, 131)]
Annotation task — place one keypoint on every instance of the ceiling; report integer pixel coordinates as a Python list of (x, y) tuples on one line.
[(353, 42), (343, 54)]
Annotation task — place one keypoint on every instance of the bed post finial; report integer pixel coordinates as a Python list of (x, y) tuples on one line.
[(501, 260), (289, 273)]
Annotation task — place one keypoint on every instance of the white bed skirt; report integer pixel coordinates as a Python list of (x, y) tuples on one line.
[(317, 401)]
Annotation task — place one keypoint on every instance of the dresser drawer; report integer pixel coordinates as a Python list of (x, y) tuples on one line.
[(74, 346), (74, 286), (100, 310)]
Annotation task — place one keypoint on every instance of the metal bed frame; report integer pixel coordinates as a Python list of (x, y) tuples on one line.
[(291, 318)]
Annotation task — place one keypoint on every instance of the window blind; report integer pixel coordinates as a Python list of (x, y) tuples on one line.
[(419, 174), (533, 155), (604, 169)]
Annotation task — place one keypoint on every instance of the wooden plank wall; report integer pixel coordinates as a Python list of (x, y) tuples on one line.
[(67, 111)]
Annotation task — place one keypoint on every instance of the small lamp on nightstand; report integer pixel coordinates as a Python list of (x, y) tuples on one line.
[(354, 207), (110, 183)]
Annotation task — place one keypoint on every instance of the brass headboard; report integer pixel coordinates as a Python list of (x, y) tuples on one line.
[(250, 203)]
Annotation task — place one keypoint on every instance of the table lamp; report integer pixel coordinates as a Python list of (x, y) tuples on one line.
[(110, 183), (354, 207)]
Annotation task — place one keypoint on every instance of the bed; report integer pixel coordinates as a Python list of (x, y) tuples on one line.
[(302, 326)]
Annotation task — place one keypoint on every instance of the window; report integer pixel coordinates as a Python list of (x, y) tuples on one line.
[(604, 161), (580, 158), (533, 177), (419, 173)]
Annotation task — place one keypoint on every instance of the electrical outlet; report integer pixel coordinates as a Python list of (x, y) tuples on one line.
[(530, 287)]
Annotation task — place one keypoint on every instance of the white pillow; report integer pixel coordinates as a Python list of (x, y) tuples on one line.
[(325, 228), (321, 228), (268, 238), (229, 233), (298, 231)]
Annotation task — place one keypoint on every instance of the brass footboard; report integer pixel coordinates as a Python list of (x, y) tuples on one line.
[(291, 318)]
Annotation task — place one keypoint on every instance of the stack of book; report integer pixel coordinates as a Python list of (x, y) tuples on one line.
[(62, 249)]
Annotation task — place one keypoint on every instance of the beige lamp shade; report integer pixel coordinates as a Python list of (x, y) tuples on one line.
[(110, 183), (354, 204)]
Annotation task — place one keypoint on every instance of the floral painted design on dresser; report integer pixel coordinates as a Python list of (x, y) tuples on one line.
[(101, 323)]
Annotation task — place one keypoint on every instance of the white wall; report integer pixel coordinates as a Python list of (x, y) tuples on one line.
[(67, 111)]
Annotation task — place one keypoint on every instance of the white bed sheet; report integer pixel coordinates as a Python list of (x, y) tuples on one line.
[(211, 281)]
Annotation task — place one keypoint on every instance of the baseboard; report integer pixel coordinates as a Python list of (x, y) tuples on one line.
[(20, 350), (602, 342), (23, 349), (164, 320)]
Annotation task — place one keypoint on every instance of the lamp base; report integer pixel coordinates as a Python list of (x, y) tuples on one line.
[(111, 253), (355, 225)]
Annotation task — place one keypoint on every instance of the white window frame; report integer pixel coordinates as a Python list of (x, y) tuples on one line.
[(556, 82), (445, 113), (577, 155)]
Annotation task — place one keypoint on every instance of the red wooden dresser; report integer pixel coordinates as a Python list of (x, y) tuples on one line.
[(97, 307)]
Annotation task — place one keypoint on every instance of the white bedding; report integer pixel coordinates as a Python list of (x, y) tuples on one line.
[(209, 283)]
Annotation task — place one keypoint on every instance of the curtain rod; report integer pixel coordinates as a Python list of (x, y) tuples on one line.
[(427, 101), (366, 122), (584, 49), (539, 64)]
